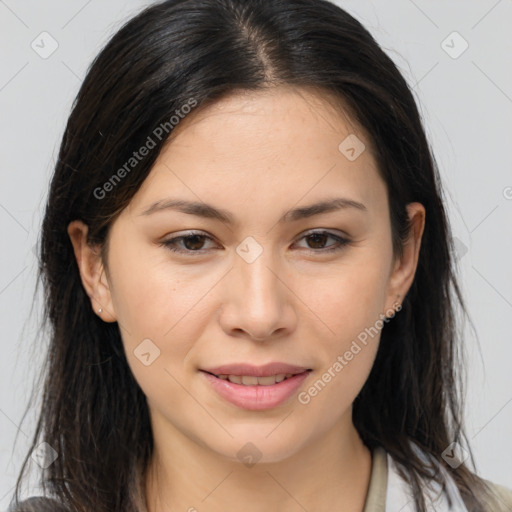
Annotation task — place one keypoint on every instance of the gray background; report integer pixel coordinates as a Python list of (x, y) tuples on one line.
[(466, 103)]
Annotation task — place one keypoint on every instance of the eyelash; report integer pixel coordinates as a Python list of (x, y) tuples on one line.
[(341, 242)]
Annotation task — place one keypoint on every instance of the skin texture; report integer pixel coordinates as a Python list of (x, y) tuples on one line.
[(256, 155)]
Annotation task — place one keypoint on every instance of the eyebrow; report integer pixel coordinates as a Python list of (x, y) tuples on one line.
[(210, 212)]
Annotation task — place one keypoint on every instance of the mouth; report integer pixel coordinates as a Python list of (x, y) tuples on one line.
[(256, 392)]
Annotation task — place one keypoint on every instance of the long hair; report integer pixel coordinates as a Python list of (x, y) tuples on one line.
[(195, 52)]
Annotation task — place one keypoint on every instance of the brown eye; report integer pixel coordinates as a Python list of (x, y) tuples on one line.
[(317, 241), (192, 243)]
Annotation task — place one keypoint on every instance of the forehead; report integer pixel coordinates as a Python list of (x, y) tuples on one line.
[(280, 144), (269, 111)]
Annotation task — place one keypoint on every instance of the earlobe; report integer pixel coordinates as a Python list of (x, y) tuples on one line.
[(404, 269), (92, 272)]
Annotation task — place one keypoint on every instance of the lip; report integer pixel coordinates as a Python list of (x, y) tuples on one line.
[(255, 371), (256, 398)]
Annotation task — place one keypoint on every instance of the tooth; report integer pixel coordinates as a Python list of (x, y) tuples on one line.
[(267, 381), (249, 380)]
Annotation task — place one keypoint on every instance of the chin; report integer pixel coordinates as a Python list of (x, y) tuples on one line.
[(256, 445)]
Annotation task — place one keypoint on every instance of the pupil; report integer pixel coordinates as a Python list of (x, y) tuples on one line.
[(316, 236), (196, 238)]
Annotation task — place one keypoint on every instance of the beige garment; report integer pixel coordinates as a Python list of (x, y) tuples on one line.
[(376, 497)]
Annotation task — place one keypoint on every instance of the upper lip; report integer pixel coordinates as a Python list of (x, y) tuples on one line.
[(265, 370)]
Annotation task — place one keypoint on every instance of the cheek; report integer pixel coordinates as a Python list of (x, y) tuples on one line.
[(151, 296), (348, 299), (350, 306), (349, 302), (164, 303), (157, 302)]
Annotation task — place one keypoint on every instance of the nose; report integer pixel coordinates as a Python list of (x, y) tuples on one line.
[(258, 302)]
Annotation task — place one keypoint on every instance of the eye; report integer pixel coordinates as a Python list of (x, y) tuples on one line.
[(318, 239), (193, 242)]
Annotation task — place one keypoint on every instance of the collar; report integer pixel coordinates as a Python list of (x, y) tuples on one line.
[(377, 488)]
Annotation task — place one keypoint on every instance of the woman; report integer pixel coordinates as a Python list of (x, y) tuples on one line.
[(210, 348)]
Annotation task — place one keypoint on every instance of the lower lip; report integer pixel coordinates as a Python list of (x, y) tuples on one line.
[(256, 398)]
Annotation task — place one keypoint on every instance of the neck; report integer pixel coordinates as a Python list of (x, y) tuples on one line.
[(330, 473)]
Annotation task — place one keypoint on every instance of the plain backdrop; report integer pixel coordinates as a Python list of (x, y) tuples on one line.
[(456, 56)]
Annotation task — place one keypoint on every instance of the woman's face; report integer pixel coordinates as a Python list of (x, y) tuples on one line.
[(273, 284)]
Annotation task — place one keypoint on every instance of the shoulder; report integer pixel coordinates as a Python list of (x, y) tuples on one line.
[(399, 492), (503, 493), (38, 504)]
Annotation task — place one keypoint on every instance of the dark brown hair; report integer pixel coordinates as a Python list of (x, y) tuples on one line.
[(93, 412)]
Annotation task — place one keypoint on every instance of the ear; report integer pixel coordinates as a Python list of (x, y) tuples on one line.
[(404, 269), (92, 272)]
